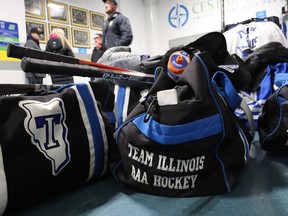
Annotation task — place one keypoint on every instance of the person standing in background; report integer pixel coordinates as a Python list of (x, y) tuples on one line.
[(33, 42), (58, 43), (117, 29), (98, 49)]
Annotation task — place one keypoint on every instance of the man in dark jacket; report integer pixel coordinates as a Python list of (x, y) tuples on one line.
[(33, 42), (117, 29)]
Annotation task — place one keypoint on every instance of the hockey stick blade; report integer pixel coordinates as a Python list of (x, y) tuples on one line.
[(130, 78)]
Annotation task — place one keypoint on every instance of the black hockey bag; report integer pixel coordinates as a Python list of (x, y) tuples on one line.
[(50, 143), (273, 123), (183, 139)]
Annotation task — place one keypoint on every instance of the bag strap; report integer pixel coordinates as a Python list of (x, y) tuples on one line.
[(244, 106), (231, 97)]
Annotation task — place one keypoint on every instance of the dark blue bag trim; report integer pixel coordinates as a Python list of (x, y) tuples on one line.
[(94, 124), (229, 93), (95, 128), (232, 98), (177, 134), (222, 123), (64, 87), (111, 117), (120, 103), (117, 132)]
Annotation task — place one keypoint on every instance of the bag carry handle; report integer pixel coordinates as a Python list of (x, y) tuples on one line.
[(231, 97)]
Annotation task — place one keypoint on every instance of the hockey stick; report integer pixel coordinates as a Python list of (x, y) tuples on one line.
[(6, 89), (19, 52), (131, 78)]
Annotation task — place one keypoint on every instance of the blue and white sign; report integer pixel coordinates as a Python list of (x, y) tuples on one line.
[(8, 33), (178, 16), (261, 14), (82, 50)]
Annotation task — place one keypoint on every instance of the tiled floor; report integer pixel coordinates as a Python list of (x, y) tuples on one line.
[(262, 190)]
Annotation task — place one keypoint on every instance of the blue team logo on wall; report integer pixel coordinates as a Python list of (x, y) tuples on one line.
[(45, 123), (178, 16)]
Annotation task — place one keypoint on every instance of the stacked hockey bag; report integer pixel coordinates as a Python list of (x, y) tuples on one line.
[(266, 95), (52, 141), (263, 47)]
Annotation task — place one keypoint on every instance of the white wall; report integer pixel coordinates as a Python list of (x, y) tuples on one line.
[(133, 9), (204, 16)]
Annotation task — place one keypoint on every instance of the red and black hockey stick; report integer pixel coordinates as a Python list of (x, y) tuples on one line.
[(19, 52), (131, 78), (51, 65)]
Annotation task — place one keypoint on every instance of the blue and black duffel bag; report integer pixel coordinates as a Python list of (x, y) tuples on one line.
[(184, 139)]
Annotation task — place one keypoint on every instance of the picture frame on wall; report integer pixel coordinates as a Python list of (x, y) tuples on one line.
[(96, 20), (37, 24), (79, 16), (35, 9), (57, 12), (80, 38), (66, 29)]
